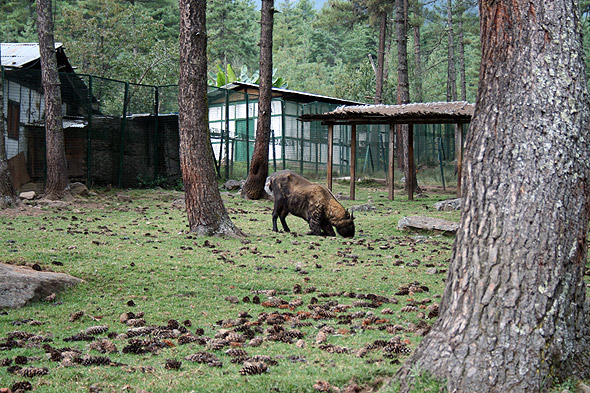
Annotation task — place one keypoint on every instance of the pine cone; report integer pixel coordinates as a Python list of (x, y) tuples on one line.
[(172, 364), (5, 362), (75, 316), (21, 386), (21, 360), (136, 322), (30, 372), (95, 361), (235, 337), (409, 309), (253, 368), (216, 344), (79, 337), (94, 330), (202, 357), (139, 331), (236, 352), (255, 342)]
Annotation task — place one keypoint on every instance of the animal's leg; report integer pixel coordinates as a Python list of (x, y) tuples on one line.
[(315, 222), (328, 230), (282, 217), (275, 215)]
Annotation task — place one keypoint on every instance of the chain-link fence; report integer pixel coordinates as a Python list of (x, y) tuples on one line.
[(126, 135)]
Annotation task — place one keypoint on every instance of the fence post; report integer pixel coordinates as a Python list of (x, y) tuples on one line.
[(440, 162), (156, 125), (122, 140), (227, 134), (284, 130), (89, 136), (274, 151), (247, 133)]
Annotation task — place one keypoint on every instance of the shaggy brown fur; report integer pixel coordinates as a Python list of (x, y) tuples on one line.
[(314, 203)]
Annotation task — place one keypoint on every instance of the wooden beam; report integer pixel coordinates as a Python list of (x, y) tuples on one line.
[(411, 168), (330, 154), (352, 161), (390, 171), (459, 154)]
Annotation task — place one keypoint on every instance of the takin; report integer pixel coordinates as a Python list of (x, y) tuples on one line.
[(314, 203)]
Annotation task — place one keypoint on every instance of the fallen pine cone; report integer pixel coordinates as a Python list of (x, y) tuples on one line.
[(253, 368)]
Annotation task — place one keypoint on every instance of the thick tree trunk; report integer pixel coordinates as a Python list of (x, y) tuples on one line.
[(254, 186), (403, 85), (57, 166), (204, 206), (381, 58), (8, 197), (513, 316), (451, 73)]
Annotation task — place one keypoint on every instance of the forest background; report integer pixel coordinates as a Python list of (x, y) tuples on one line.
[(326, 51)]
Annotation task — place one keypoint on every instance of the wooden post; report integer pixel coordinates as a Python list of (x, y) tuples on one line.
[(352, 161), (390, 171), (330, 154), (411, 168), (459, 154)]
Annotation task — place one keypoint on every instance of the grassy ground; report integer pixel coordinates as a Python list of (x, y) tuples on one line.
[(138, 257)]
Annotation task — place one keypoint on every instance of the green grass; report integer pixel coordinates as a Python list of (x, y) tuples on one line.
[(141, 252)]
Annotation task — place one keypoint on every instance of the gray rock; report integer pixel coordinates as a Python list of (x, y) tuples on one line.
[(427, 224), (448, 205), (28, 195), (123, 197), (363, 208), (52, 204), (78, 188), (20, 285), (233, 185)]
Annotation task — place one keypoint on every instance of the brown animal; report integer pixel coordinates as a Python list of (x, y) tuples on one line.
[(314, 203)]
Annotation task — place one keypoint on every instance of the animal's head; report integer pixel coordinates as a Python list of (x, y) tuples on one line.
[(345, 227)]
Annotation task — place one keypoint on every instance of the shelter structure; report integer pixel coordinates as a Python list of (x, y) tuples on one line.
[(458, 113)]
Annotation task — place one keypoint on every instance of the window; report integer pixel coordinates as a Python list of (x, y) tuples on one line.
[(13, 119)]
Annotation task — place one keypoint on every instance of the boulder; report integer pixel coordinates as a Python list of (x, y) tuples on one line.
[(79, 189), (233, 185), (448, 205), (20, 285), (427, 224), (28, 195)]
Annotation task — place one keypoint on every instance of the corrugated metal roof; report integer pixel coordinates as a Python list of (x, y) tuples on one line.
[(295, 93), (434, 112), (18, 55)]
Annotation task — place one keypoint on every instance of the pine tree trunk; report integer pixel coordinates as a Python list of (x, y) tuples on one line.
[(254, 186), (513, 316), (205, 210), (418, 62), (8, 197), (451, 74), (461, 11), (57, 166), (381, 58), (403, 85)]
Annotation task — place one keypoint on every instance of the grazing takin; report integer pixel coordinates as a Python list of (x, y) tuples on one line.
[(314, 203)]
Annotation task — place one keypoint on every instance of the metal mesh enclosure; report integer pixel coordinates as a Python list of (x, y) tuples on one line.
[(126, 135)]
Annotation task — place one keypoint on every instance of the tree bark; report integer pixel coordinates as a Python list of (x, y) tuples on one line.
[(57, 167), (403, 85), (461, 43), (8, 197), (418, 62), (513, 317), (381, 58), (254, 186), (205, 210), (451, 73)]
